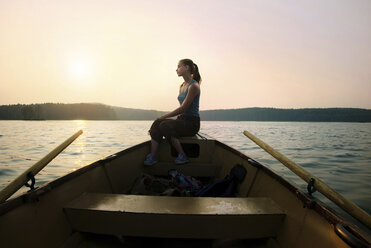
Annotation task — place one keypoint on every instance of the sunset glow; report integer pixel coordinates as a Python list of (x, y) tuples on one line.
[(283, 54), (79, 69)]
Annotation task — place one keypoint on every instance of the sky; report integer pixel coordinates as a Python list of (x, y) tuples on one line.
[(281, 54)]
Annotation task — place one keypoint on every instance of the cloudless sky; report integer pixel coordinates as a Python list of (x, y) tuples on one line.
[(283, 54)]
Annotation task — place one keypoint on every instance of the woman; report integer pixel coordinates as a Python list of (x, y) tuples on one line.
[(187, 122)]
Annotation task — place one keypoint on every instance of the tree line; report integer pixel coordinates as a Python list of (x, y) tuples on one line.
[(57, 111), (274, 114), (96, 111)]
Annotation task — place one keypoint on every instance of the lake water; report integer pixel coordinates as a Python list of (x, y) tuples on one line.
[(337, 153)]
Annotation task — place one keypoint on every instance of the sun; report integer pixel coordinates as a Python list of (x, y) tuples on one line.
[(79, 69)]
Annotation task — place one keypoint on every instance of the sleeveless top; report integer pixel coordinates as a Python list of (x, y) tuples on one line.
[(193, 109)]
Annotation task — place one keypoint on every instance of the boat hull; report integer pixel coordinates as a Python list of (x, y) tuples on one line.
[(40, 218)]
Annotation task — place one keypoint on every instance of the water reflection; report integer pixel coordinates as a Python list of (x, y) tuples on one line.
[(80, 144)]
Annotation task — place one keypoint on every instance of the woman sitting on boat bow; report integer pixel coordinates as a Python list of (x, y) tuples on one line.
[(187, 122)]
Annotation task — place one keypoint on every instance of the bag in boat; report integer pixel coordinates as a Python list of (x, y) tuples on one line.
[(187, 183), (226, 187), (150, 185)]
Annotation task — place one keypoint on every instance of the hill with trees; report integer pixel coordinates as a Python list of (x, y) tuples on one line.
[(96, 111), (274, 114), (57, 111)]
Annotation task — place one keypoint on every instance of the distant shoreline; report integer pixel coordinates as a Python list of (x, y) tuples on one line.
[(96, 111), (201, 121)]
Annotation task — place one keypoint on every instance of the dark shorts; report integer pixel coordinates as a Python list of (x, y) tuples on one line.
[(181, 127)]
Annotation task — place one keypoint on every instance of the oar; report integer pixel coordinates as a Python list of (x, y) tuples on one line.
[(331, 194), (17, 183)]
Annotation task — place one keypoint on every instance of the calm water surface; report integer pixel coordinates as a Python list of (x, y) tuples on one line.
[(337, 153)]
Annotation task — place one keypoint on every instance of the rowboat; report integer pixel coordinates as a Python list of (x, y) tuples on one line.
[(93, 207)]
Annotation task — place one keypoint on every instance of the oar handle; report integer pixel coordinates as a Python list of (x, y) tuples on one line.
[(331, 194), (17, 183)]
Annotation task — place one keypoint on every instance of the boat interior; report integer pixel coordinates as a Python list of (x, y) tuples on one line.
[(95, 207)]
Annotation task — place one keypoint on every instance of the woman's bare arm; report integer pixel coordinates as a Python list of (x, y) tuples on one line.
[(193, 91)]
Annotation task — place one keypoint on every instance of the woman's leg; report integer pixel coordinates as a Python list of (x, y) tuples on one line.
[(154, 147), (178, 147), (156, 136), (172, 129)]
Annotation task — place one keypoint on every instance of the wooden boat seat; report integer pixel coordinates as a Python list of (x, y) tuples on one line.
[(174, 217), (190, 169)]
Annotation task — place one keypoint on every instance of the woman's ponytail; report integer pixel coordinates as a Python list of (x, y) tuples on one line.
[(193, 69), (196, 74)]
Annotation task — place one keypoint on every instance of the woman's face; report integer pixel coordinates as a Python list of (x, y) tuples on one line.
[(182, 69)]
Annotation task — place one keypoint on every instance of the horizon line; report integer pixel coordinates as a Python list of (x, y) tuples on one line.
[(235, 108)]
